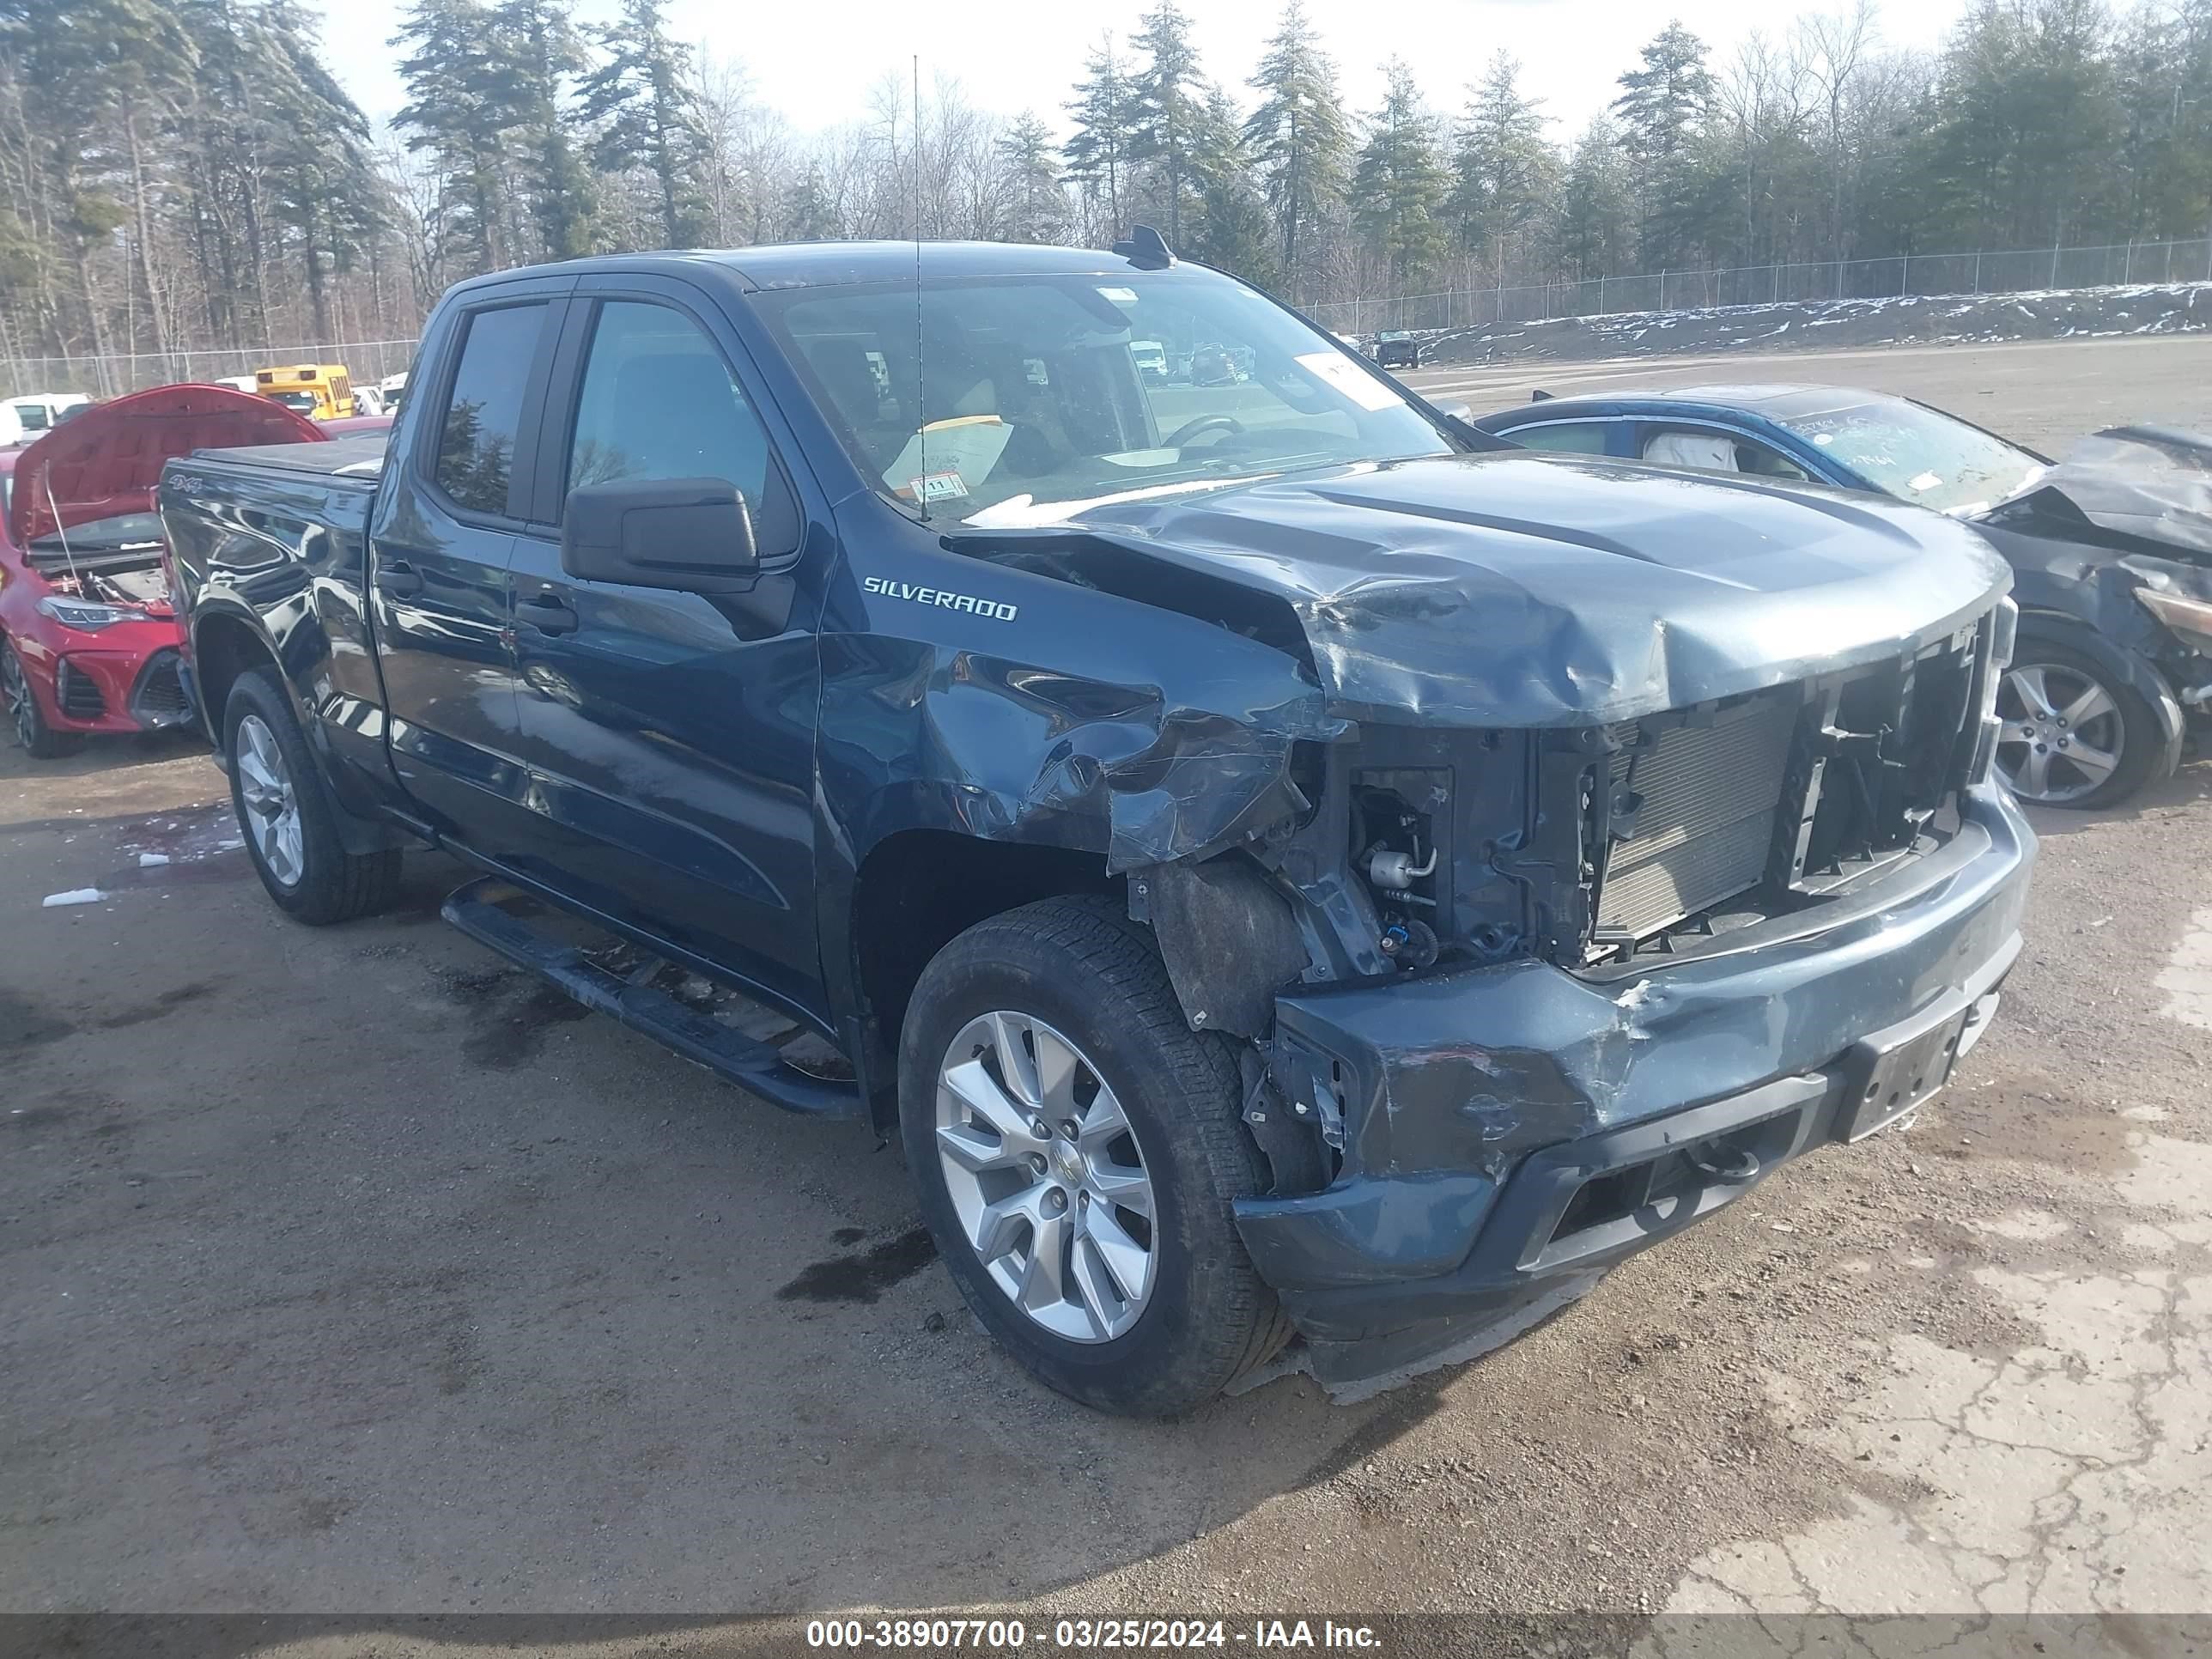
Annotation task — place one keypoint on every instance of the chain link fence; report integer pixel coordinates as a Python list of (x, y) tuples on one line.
[(365, 362), (1923, 275)]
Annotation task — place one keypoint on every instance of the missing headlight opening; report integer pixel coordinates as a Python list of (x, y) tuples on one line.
[(1594, 846)]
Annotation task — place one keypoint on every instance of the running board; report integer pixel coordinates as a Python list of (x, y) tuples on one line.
[(752, 1066)]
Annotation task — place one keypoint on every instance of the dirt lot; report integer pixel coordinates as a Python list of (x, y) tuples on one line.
[(348, 1271)]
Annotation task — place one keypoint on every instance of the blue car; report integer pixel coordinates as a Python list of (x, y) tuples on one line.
[(2111, 550)]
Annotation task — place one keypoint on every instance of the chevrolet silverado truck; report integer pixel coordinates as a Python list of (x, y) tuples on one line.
[(1283, 867)]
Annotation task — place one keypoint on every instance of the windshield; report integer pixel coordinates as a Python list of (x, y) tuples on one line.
[(1035, 396), (303, 402), (1921, 455)]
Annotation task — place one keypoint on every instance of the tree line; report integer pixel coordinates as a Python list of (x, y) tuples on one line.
[(177, 173)]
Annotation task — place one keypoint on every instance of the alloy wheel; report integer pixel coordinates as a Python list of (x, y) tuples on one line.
[(2063, 732), (273, 804), (17, 691), (1046, 1176)]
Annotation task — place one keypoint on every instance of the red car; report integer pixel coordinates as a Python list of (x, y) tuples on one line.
[(88, 640)]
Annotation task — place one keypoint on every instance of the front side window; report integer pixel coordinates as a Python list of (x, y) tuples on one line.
[(659, 402), (1015, 400), (1567, 437), (475, 442), (1920, 455)]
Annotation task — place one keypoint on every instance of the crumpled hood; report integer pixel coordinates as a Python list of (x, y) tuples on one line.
[(107, 461), (1515, 590), (2147, 482)]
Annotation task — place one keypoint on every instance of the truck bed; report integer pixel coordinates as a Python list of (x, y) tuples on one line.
[(360, 458)]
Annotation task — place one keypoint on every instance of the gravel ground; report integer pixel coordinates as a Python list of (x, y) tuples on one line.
[(346, 1271)]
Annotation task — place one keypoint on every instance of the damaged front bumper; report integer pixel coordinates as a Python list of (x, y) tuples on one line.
[(1509, 1133)]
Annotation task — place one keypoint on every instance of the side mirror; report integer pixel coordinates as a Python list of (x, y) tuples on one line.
[(1463, 413), (692, 534)]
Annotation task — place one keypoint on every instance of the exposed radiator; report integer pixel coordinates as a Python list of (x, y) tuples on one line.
[(1704, 822)]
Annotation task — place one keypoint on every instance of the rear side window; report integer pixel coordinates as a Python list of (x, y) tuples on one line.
[(1569, 437), (476, 446)]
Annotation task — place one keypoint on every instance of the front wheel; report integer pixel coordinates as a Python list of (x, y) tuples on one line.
[(2073, 734), (26, 719), (1077, 1147)]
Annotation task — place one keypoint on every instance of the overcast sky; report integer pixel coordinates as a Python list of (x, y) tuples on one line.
[(816, 63)]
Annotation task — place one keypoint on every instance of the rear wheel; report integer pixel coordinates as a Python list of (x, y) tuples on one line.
[(1077, 1147), (26, 721), (2072, 734), (291, 832)]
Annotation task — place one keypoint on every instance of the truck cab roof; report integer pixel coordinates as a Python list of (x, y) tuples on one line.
[(828, 264)]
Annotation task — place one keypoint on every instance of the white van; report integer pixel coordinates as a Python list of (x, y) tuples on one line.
[(1152, 359)]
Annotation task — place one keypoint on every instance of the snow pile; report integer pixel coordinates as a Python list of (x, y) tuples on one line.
[(1972, 319)]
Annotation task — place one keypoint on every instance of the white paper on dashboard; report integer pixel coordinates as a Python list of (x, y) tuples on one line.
[(965, 448), (1353, 381)]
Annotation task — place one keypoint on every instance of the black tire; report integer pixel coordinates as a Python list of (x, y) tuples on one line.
[(26, 721), (2148, 751), (332, 884), (1084, 969)]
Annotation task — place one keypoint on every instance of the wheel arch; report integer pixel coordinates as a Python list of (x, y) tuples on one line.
[(2138, 672), (227, 644), (916, 891)]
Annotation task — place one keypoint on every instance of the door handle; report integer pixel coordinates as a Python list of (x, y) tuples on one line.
[(397, 578), (548, 613)]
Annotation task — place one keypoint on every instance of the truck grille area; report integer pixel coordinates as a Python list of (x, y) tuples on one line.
[(1693, 812), (1591, 846)]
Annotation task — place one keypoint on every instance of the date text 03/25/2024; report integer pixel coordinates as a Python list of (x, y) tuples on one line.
[(985, 1635)]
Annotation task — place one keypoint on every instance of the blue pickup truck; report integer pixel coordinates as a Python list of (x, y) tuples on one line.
[(1284, 865)]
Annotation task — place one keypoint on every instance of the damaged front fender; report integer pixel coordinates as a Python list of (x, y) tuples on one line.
[(1152, 736)]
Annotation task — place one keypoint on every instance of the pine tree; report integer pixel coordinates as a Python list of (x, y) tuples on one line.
[(319, 174), (1231, 230), (807, 215), (1038, 212), (1167, 113), (1596, 208), (1097, 154), (1398, 189), (1662, 108), (451, 119), (639, 98), (1506, 169), (1298, 137), (77, 65), (537, 55)]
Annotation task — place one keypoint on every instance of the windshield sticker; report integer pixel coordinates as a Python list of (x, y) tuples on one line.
[(1120, 296), (946, 486), (1926, 481), (1824, 439), (1340, 374)]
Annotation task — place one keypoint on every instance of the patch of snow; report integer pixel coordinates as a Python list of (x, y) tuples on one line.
[(74, 895)]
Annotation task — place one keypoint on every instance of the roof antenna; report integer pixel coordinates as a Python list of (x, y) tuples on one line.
[(1146, 249), (920, 381)]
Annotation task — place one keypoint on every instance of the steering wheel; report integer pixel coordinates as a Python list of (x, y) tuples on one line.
[(1190, 429)]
